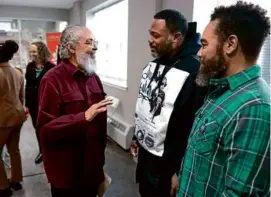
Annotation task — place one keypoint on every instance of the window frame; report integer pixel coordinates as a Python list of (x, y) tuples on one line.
[(90, 14)]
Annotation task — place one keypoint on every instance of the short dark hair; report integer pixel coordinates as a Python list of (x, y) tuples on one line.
[(245, 20), (7, 50), (175, 21)]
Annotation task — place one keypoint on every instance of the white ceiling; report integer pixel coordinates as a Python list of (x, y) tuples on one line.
[(65, 4)]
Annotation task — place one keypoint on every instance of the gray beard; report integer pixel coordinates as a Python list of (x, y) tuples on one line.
[(91, 67), (202, 79), (88, 65)]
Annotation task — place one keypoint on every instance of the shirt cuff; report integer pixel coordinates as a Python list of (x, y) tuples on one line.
[(80, 117)]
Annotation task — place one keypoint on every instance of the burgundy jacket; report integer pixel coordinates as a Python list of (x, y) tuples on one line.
[(72, 148)]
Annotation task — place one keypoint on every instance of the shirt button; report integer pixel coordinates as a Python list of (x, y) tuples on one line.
[(202, 128)]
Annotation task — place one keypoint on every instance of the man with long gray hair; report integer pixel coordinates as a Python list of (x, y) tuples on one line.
[(72, 118)]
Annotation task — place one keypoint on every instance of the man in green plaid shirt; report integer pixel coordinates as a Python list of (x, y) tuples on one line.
[(228, 152)]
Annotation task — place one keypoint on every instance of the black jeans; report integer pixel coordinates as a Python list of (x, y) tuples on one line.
[(74, 192), (146, 189), (33, 110)]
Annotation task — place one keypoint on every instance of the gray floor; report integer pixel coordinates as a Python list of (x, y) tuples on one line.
[(119, 165)]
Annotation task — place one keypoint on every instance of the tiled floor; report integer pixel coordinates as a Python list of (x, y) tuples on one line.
[(119, 165)]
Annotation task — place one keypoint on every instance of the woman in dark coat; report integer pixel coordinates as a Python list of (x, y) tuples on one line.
[(35, 70)]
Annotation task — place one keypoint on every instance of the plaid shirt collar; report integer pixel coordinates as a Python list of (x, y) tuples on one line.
[(238, 79)]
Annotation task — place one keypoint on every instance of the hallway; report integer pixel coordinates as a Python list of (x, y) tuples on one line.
[(119, 165)]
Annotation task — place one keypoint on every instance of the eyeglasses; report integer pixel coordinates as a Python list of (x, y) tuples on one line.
[(93, 43)]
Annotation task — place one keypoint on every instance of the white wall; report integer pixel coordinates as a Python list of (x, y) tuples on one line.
[(22, 12), (140, 16), (185, 6), (75, 14)]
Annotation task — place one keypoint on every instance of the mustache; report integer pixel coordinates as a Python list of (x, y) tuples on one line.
[(151, 46), (89, 53)]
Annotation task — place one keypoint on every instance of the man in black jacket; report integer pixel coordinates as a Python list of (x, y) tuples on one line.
[(168, 86)]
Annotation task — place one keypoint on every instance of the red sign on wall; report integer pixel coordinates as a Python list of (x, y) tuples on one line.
[(53, 39)]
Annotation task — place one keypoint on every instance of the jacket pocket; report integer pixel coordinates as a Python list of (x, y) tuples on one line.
[(73, 103), (97, 96), (72, 97), (96, 91)]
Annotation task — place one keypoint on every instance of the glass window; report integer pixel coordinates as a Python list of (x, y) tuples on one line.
[(5, 26), (110, 27)]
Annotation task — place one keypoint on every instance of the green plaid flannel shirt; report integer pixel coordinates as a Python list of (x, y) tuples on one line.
[(228, 152)]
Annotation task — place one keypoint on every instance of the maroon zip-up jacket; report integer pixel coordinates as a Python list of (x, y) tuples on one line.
[(72, 148)]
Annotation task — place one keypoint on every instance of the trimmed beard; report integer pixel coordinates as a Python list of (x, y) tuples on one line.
[(164, 50), (212, 68)]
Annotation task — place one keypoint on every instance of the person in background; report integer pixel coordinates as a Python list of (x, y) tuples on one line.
[(72, 118), (58, 60), (35, 70), (19, 69), (228, 152), (168, 99), (12, 117)]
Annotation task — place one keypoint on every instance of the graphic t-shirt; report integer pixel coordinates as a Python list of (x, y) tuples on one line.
[(155, 105)]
